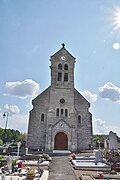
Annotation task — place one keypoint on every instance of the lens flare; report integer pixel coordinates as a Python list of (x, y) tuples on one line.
[(116, 46), (117, 18)]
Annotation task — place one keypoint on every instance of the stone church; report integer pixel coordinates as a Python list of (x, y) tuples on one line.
[(60, 118)]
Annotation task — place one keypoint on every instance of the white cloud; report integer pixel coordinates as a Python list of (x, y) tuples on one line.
[(11, 109), (110, 91), (23, 89), (100, 127), (29, 105), (89, 96), (116, 46), (17, 122)]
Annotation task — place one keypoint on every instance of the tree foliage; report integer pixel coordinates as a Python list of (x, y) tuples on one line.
[(100, 138), (11, 135)]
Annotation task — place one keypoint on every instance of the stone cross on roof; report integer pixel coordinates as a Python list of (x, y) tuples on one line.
[(63, 45)]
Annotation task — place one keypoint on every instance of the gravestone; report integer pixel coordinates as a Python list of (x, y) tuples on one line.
[(98, 156), (106, 145), (26, 150), (113, 145), (106, 149), (9, 163)]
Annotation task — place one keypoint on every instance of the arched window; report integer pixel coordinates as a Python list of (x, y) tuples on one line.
[(42, 117), (57, 112), (79, 119), (59, 76), (60, 66), (66, 67), (65, 76), (61, 111), (66, 112)]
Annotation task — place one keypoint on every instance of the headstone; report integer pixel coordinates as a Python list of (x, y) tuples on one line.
[(26, 150), (98, 156), (106, 144), (106, 149), (113, 145), (19, 143), (9, 163), (98, 144)]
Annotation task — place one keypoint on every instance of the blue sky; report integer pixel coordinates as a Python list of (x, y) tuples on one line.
[(33, 30)]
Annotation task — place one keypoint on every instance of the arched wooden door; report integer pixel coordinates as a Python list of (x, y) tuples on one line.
[(61, 141)]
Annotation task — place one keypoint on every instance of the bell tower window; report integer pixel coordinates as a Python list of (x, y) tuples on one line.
[(59, 76), (60, 66), (66, 67), (65, 76)]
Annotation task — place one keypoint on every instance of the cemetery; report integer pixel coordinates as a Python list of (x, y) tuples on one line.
[(101, 163), (16, 167)]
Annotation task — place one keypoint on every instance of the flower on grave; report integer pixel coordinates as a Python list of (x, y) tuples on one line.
[(31, 172), (100, 176), (20, 163), (73, 155)]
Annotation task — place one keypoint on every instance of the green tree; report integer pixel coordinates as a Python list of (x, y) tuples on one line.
[(1, 142), (22, 137), (101, 138), (11, 135)]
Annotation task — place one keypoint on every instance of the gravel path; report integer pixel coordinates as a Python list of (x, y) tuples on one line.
[(61, 169)]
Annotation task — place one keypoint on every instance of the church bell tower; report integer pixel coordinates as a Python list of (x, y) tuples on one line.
[(62, 69)]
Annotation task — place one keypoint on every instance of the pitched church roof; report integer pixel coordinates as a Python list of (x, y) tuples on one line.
[(63, 50)]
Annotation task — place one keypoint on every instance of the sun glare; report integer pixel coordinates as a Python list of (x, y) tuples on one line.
[(116, 18), (116, 46)]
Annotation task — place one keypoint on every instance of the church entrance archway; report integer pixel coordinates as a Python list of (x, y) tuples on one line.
[(61, 141)]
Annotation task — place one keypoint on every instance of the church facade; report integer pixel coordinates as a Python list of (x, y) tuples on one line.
[(60, 118)]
